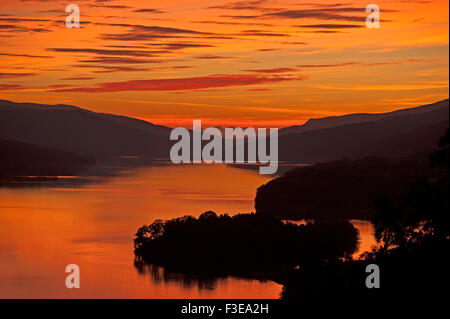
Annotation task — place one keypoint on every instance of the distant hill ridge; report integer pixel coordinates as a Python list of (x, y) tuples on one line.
[(74, 129), (333, 121), (108, 136), (24, 159), (396, 134)]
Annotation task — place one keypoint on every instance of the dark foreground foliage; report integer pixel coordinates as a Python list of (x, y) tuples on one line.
[(313, 261), (339, 189), (413, 233), (245, 243)]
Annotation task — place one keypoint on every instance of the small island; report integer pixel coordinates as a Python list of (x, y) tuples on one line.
[(242, 244)]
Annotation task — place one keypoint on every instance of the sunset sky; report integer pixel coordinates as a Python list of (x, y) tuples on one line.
[(258, 63)]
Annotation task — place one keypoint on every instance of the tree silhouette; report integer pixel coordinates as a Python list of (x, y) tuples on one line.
[(423, 214), (242, 243)]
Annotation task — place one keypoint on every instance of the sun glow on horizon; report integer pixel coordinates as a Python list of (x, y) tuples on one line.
[(256, 63)]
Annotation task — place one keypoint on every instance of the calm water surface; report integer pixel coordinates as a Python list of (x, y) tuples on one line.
[(43, 229)]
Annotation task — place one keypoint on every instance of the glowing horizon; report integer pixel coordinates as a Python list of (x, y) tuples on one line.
[(238, 63)]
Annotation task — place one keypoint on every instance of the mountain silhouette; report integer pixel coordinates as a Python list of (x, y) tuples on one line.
[(396, 134), (69, 128), (334, 121), (109, 137), (24, 159)]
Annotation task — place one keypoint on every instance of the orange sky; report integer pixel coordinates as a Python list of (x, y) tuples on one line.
[(238, 63)]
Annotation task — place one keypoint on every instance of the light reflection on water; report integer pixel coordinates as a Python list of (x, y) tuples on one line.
[(42, 229), (92, 224), (366, 240)]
